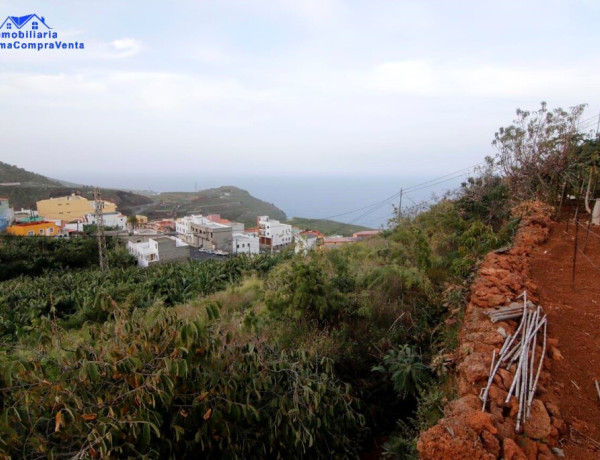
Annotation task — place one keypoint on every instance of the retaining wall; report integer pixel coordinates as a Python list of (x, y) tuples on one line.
[(466, 432)]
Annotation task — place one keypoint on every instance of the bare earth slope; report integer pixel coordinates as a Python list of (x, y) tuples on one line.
[(574, 319)]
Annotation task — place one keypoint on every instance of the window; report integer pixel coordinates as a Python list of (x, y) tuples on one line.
[(52, 230), (30, 233), (34, 25), (41, 231), (9, 25)]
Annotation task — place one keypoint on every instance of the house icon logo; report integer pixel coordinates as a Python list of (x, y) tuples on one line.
[(32, 32), (29, 22)]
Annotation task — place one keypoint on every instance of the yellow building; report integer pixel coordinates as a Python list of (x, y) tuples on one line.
[(70, 208), (34, 229), (141, 219)]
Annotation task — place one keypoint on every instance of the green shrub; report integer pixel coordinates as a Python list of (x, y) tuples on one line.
[(406, 370)]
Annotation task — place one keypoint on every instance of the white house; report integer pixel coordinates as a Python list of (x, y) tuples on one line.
[(110, 219), (245, 243), (158, 250), (305, 242), (273, 234), (183, 227), (208, 232)]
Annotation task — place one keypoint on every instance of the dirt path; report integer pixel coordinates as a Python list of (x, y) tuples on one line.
[(574, 319)]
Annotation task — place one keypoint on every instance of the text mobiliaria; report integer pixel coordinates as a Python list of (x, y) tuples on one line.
[(31, 32)]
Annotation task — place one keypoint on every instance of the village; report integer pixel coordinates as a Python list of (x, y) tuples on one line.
[(197, 237)]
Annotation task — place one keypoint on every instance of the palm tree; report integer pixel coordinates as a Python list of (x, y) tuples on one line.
[(132, 222)]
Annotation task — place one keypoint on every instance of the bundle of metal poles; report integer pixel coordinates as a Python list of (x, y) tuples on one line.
[(519, 349)]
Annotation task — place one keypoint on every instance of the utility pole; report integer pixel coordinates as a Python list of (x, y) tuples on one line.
[(102, 254), (400, 205)]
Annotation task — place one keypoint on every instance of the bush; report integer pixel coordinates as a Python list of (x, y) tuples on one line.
[(147, 384), (405, 369)]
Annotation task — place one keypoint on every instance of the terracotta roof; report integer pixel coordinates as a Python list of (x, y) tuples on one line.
[(342, 239), (367, 233), (218, 219)]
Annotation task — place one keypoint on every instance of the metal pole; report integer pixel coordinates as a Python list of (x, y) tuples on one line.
[(587, 235), (562, 197), (575, 247)]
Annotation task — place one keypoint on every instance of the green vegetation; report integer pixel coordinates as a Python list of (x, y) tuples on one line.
[(75, 297), (34, 256), (230, 202), (244, 358), (541, 153), (11, 173), (34, 187), (310, 356), (326, 227)]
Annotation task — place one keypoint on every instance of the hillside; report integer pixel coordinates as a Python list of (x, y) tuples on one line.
[(33, 187), (11, 173), (327, 227), (334, 327), (230, 202)]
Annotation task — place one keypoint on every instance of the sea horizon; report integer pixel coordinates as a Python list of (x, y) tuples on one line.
[(370, 201)]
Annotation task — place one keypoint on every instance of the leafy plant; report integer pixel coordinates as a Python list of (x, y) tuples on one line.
[(405, 369)]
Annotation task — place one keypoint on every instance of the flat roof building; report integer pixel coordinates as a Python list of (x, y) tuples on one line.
[(70, 208)]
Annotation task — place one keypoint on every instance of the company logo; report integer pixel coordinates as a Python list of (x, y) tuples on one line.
[(31, 32)]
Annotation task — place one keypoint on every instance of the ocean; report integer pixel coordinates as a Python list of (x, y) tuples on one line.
[(361, 200)]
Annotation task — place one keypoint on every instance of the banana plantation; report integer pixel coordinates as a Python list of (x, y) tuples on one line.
[(323, 355)]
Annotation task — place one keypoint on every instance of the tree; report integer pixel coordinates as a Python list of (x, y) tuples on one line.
[(132, 222), (485, 196), (534, 150)]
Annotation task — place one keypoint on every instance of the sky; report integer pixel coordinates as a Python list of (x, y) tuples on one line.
[(287, 87)]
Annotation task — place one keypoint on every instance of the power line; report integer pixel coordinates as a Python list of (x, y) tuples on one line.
[(441, 182), (422, 184), (387, 200), (588, 119), (412, 188)]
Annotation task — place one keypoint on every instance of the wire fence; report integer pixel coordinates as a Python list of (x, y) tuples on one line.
[(577, 249)]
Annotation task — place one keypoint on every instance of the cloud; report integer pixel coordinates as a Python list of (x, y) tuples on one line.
[(165, 91), (424, 78), (125, 47), (170, 91), (314, 11), (23, 84), (404, 76)]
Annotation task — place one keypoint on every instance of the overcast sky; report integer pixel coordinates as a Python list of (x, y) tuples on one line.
[(288, 87)]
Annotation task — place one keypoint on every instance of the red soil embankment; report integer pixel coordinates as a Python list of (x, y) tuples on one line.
[(466, 432)]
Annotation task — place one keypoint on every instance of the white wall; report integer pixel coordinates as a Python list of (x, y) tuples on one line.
[(245, 244), (280, 234), (109, 220)]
